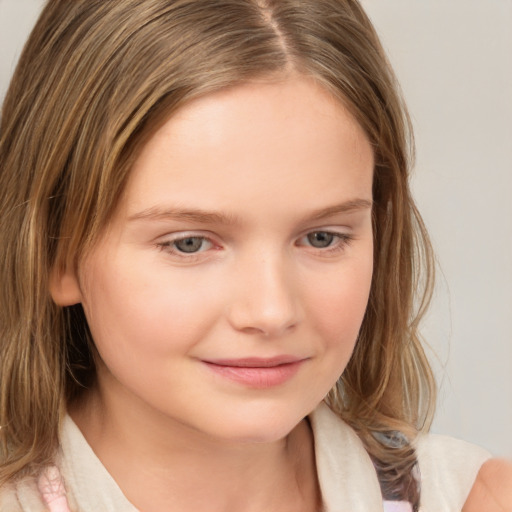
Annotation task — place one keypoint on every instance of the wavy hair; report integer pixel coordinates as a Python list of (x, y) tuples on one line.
[(95, 80)]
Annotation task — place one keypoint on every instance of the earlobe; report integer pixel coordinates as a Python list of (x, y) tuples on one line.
[(64, 287)]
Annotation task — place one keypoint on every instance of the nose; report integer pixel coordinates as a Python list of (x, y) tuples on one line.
[(265, 301)]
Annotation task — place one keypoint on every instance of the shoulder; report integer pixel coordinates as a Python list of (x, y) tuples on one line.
[(448, 469), (492, 490)]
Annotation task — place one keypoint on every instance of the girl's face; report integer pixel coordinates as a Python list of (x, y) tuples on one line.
[(228, 292)]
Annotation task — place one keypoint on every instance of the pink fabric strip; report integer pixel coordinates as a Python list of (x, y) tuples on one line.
[(397, 506), (52, 490)]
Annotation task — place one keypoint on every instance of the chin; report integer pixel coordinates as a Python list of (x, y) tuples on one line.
[(259, 427)]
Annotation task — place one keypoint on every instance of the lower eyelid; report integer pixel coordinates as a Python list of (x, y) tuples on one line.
[(342, 240)]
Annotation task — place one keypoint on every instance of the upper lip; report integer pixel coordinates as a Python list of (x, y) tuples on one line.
[(256, 362)]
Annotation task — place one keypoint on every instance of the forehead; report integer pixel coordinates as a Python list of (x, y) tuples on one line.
[(254, 141)]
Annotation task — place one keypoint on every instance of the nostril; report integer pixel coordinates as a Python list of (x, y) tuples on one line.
[(253, 330), (254, 321), (267, 332)]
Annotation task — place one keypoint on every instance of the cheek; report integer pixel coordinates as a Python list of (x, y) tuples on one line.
[(338, 306), (336, 310), (144, 316)]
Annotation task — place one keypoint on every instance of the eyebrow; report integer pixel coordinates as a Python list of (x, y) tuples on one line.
[(346, 207), (185, 214), (212, 217)]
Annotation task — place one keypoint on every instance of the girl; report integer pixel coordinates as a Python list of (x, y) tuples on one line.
[(210, 254)]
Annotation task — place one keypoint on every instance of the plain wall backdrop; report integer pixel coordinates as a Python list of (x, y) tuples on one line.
[(453, 59)]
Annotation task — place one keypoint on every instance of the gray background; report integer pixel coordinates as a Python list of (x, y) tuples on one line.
[(454, 60)]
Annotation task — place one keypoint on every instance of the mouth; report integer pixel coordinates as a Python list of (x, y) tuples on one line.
[(255, 372)]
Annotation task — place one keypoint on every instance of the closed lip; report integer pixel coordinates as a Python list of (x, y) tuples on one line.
[(256, 362), (256, 372)]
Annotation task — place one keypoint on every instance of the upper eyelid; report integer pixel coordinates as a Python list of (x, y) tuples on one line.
[(180, 235), (338, 231)]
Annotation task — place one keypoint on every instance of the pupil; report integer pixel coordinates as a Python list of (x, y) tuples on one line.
[(320, 239), (192, 244)]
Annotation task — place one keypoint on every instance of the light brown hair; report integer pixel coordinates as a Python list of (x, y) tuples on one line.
[(95, 80)]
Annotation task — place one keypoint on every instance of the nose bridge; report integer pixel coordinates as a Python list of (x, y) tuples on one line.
[(266, 301)]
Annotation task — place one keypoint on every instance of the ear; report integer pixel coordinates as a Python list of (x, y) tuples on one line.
[(64, 286)]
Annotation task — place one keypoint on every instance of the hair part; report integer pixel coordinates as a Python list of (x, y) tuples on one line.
[(96, 79)]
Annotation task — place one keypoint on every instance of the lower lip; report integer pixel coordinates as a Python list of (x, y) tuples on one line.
[(260, 377)]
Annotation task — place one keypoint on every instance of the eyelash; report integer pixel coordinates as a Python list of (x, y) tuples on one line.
[(342, 241)]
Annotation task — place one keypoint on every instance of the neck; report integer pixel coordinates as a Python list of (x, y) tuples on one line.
[(160, 464)]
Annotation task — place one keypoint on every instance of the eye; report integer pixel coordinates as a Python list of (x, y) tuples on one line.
[(321, 239), (186, 245), (191, 244), (325, 241)]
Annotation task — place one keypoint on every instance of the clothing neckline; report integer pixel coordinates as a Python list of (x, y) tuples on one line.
[(345, 472)]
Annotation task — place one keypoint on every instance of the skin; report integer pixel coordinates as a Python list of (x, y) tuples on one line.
[(492, 490), (268, 158)]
